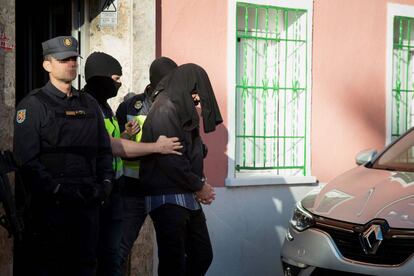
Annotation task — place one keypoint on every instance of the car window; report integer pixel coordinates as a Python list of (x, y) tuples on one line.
[(399, 157)]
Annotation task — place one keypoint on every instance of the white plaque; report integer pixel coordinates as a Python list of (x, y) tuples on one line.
[(109, 16)]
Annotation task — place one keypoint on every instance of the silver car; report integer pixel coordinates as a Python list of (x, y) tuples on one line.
[(361, 223)]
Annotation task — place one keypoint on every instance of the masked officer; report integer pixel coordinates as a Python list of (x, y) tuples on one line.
[(131, 114), (103, 79), (64, 152)]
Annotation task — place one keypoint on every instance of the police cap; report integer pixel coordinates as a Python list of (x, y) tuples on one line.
[(61, 47)]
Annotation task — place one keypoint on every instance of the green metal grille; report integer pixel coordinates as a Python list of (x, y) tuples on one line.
[(271, 89), (403, 74)]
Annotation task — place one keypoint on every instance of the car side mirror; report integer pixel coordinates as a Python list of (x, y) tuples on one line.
[(365, 156)]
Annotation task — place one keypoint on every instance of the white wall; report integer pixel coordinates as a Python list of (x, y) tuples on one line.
[(247, 227)]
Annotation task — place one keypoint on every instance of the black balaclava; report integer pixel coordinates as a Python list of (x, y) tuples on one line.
[(99, 68), (159, 68), (180, 84)]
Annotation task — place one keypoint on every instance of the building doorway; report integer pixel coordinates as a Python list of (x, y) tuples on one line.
[(37, 21)]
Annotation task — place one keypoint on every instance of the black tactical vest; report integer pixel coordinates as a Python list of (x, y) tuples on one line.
[(69, 138)]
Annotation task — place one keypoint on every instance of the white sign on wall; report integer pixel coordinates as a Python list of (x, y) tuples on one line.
[(109, 16)]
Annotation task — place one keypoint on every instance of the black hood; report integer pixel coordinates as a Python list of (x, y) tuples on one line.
[(180, 84), (159, 68)]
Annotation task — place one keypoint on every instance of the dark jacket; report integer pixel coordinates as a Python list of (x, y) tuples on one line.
[(171, 174)]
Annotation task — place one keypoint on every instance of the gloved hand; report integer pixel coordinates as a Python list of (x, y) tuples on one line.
[(106, 189), (100, 192)]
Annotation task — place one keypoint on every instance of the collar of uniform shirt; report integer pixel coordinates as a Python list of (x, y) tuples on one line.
[(54, 91)]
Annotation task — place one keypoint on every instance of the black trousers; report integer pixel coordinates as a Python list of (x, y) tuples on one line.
[(61, 239), (133, 219), (110, 234), (184, 246)]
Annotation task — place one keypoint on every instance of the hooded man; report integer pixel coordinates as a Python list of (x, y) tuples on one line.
[(176, 184), (103, 79), (131, 115)]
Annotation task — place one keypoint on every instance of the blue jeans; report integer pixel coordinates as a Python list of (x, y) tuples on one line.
[(134, 217)]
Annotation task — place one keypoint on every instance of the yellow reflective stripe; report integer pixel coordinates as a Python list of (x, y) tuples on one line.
[(117, 165), (112, 127)]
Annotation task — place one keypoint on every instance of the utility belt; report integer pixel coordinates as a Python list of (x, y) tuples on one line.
[(56, 163), (75, 181)]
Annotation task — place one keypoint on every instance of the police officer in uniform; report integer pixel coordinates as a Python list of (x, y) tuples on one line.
[(103, 79), (64, 152), (131, 116)]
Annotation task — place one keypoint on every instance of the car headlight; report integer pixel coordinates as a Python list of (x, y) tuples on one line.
[(301, 219)]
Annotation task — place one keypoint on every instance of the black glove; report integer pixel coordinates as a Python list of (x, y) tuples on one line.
[(105, 190), (100, 192)]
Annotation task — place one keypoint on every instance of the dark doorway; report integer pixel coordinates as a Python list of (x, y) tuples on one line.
[(37, 21)]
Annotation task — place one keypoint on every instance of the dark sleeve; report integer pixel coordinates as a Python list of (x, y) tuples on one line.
[(177, 167), (121, 115), (104, 157), (29, 117)]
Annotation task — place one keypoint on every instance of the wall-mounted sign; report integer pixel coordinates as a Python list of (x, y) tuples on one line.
[(109, 15), (5, 43)]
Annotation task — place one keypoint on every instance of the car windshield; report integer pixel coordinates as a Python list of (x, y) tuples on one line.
[(399, 157)]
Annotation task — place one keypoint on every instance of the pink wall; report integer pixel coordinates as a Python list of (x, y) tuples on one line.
[(195, 31), (349, 73)]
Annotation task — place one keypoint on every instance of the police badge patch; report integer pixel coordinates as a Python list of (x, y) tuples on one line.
[(21, 116), (138, 105), (67, 42)]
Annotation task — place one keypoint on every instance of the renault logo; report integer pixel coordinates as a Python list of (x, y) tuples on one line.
[(371, 239)]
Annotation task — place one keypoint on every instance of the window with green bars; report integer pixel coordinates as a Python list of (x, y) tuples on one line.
[(271, 90), (403, 76)]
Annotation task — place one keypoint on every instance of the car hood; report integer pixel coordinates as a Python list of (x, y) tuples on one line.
[(363, 194)]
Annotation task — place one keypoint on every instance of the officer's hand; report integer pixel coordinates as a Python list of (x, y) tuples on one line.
[(132, 127), (101, 192), (165, 145), (107, 186)]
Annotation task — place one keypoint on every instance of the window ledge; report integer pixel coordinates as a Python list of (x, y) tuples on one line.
[(260, 180)]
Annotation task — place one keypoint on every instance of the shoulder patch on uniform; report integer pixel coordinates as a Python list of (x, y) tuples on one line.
[(20, 116), (138, 105)]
